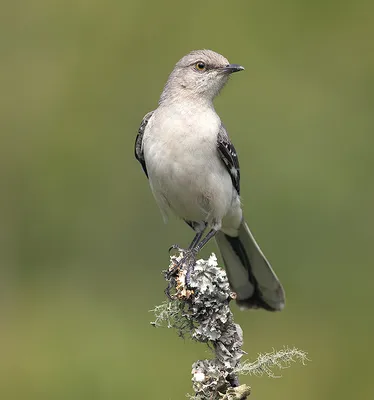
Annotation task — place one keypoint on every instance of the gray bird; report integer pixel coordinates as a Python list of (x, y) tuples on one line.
[(193, 171)]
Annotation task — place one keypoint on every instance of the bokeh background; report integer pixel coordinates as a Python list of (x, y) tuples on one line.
[(82, 241)]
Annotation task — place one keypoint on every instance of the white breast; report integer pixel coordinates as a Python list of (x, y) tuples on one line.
[(184, 168)]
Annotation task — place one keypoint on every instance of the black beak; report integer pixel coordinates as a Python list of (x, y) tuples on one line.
[(233, 68)]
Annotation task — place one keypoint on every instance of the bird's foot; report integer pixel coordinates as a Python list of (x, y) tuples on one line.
[(186, 262), (171, 272), (179, 275)]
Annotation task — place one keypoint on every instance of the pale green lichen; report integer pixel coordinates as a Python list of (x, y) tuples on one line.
[(265, 363), (201, 311)]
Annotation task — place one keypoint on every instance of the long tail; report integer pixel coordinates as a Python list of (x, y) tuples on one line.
[(250, 274)]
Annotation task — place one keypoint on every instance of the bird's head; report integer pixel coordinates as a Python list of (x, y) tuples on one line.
[(199, 74)]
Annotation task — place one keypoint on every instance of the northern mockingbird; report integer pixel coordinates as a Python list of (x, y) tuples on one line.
[(193, 171)]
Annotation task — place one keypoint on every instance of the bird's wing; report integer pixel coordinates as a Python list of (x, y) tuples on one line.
[(139, 153), (229, 156)]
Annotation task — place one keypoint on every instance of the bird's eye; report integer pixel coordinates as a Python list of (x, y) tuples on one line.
[(200, 66)]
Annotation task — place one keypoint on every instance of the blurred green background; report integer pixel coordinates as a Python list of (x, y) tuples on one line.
[(82, 241)]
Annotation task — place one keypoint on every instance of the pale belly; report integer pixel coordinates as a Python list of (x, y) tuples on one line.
[(195, 188), (186, 174)]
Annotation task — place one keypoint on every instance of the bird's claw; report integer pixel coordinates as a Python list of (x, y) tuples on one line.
[(187, 262), (176, 264), (175, 247)]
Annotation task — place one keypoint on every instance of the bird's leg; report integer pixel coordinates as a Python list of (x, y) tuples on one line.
[(191, 264), (194, 250), (191, 257), (188, 256), (177, 264), (209, 236), (196, 239), (188, 253)]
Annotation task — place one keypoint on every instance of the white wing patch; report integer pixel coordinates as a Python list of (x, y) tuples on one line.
[(234, 172)]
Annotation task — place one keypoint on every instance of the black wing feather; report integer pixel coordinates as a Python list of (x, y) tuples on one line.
[(229, 156), (139, 153)]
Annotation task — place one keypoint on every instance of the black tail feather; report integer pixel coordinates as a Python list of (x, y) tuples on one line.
[(256, 300)]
